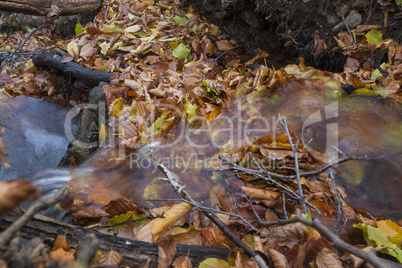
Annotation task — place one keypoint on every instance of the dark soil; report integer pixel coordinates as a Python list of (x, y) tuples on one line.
[(285, 28)]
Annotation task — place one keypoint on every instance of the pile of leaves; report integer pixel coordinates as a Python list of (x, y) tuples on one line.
[(169, 65)]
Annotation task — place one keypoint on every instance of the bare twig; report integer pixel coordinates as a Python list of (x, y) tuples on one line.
[(337, 242), (297, 170), (13, 55), (341, 218), (178, 187), (37, 206), (236, 168), (346, 25), (284, 206), (224, 53)]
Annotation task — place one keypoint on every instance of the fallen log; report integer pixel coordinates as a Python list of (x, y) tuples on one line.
[(50, 8), (135, 253), (90, 78)]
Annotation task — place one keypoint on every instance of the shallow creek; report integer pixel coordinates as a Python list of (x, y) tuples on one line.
[(360, 125)]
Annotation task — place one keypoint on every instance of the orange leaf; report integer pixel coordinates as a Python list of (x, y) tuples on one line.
[(61, 242), (14, 192)]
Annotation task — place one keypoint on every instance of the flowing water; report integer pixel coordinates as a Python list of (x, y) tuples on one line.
[(366, 126), (33, 137)]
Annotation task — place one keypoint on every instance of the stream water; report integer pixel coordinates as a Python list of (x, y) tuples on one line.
[(359, 125)]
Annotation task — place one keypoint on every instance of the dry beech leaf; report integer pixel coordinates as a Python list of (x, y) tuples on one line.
[(328, 259), (260, 193), (65, 257), (157, 92), (61, 242), (88, 51), (133, 85), (216, 238), (119, 206), (110, 258), (166, 251), (175, 213), (182, 262), (278, 259), (145, 233), (224, 45), (14, 192)]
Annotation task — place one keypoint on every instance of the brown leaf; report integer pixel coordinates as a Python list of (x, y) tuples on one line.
[(216, 238), (182, 262), (319, 45), (188, 238), (61, 242), (119, 206), (66, 59), (328, 259), (224, 45), (278, 259), (67, 258), (110, 258), (145, 233), (260, 193), (166, 251), (93, 30), (14, 192), (88, 51)]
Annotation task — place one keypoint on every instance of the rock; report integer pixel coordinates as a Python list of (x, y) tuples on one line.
[(353, 19), (86, 142)]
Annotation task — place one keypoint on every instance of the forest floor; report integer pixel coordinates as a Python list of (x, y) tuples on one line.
[(272, 201)]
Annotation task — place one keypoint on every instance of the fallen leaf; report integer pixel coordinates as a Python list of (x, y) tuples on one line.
[(166, 251), (328, 259), (61, 242), (110, 258), (14, 192), (170, 217)]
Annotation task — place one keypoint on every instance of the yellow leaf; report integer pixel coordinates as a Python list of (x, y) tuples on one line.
[(102, 132), (213, 263), (72, 48), (170, 217), (374, 36)]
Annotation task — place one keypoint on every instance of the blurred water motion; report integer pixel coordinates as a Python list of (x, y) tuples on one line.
[(360, 125), (34, 136), (363, 126)]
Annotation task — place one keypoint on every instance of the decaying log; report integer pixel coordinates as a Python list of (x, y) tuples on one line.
[(135, 253), (51, 8), (89, 77)]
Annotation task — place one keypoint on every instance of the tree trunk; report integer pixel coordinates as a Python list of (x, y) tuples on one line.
[(135, 253), (51, 8)]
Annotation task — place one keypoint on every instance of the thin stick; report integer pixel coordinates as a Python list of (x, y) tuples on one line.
[(178, 187), (37, 206), (224, 53), (346, 25)]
